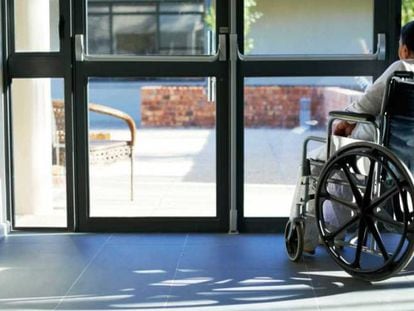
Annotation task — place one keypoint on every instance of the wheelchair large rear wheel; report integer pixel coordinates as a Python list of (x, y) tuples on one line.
[(364, 211)]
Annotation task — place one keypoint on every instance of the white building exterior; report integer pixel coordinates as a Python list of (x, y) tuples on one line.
[(313, 27)]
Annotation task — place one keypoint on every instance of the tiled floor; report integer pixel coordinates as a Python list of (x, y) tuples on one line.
[(181, 272)]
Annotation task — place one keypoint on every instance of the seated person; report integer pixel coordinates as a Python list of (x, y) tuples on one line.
[(371, 103), (372, 100)]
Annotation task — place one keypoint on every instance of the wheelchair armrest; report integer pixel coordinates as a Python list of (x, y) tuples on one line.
[(352, 116)]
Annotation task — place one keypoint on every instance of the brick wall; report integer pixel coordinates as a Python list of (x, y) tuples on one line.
[(264, 106), (176, 106), (275, 106)]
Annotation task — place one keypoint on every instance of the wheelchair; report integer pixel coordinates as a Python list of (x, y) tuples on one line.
[(361, 199)]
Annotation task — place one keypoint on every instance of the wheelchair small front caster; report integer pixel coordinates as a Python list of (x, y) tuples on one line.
[(294, 240)]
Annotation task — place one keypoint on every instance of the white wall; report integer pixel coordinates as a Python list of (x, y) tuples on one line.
[(313, 27), (32, 126), (36, 17)]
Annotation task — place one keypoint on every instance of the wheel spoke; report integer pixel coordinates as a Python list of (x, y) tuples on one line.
[(388, 220), (375, 233), (385, 196), (362, 231), (349, 223), (353, 186), (342, 202), (368, 189), (354, 166)]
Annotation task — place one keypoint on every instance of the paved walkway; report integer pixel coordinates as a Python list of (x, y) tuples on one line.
[(175, 175)]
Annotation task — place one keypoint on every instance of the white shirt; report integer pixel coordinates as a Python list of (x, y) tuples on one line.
[(371, 101)]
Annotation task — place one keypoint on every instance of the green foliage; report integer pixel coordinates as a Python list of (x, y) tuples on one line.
[(210, 18), (407, 11), (250, 17)]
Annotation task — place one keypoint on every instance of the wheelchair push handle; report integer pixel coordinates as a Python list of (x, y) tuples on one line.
[(404, 74)]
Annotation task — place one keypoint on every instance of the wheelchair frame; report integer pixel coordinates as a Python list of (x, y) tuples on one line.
[(377, 215)]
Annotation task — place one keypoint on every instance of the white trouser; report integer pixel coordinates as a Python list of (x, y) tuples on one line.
[(335, 215)]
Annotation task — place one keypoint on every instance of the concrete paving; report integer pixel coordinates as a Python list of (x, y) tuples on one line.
[(175, 175)]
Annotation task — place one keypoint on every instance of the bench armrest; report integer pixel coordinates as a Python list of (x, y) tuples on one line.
[(117, 114)]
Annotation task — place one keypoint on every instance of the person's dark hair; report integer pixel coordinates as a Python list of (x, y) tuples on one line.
[(407, 35)]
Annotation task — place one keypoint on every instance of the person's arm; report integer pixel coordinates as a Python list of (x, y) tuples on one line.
[(371, 101)]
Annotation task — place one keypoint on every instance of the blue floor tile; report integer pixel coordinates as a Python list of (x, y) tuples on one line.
[(182, 272)]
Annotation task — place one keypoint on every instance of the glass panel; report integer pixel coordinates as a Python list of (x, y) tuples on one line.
[(407, 11), (36, 25), (134, 34), (173, 163), (140, 28), (184, 34), (309, 27), (279, 113), (39, 170), (100, 39)]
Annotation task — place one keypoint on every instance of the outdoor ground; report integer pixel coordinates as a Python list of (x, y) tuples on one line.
[(175, 175)]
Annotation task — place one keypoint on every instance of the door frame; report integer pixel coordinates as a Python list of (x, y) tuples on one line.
[(387, 20), (131, 67), (230, 115), (27, 65)]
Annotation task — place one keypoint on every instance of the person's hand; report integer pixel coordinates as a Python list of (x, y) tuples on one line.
[(343, 128)]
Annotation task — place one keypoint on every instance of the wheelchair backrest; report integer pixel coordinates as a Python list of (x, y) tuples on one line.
[(398, 117), (400, 101)]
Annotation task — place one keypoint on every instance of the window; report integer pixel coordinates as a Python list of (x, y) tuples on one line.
[(148, 27)]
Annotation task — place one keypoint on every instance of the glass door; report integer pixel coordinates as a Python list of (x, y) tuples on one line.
[(296, 61), (185, 115), (38, 114), (151, 110)]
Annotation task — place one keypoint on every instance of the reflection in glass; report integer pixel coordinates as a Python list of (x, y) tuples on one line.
[(309, 27), (279, 113), (39, 169), (152, 150), (138, 27)]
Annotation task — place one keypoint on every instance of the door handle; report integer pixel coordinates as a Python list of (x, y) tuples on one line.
[(379, 54), (80, 54), (211, 89), (79, 48), (222, 52)]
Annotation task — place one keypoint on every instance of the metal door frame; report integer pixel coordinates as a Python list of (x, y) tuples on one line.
[(151, 66), (387, 23)]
